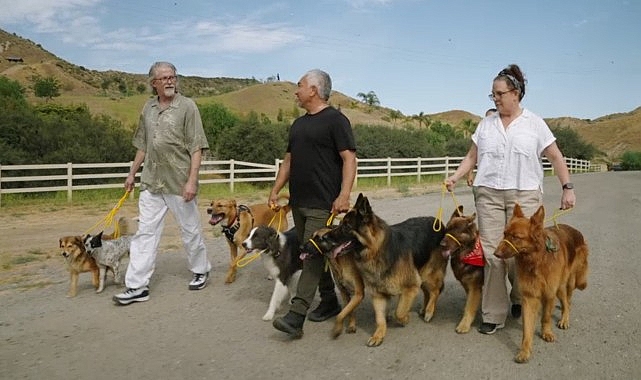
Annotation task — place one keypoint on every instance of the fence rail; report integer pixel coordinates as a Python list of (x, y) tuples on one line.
[(72, 177)]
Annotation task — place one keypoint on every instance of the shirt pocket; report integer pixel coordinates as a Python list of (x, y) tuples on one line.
[(489, 145), (524, 145)]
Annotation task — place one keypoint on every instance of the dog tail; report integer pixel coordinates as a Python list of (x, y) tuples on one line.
[(123, 226)]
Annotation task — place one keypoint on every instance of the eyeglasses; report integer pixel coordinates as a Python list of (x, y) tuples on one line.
[(498, 94), (171, 78)]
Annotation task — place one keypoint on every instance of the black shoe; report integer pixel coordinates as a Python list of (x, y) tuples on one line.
[(291, 323), (516, 311), (325, 310), (489, 328)]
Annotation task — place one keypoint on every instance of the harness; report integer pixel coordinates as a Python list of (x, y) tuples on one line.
[(231, 230)]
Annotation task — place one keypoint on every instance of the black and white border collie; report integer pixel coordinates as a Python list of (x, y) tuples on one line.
[(281, 257)]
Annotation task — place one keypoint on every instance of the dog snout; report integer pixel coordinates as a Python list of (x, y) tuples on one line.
[(65, 254), (210, 210)]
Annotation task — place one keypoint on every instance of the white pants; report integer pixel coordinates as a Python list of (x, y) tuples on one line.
[(494, 209), (144, 245)]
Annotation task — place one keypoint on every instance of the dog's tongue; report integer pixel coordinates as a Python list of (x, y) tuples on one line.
[(338, 250), (215, 219)]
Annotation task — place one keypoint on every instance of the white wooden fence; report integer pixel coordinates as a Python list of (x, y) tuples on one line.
[(72, 177)]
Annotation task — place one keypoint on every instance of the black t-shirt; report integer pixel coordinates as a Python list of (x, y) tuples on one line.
[(316, 166)]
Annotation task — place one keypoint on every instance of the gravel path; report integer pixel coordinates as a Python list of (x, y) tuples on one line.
[(217, 333)]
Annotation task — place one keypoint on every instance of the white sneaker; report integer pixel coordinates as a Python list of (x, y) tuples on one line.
[(132, 295), (199, 281)]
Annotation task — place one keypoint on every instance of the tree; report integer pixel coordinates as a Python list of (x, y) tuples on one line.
[(47, 87), (370, 98)]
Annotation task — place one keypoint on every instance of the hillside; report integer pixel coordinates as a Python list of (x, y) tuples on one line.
[(120, 95)]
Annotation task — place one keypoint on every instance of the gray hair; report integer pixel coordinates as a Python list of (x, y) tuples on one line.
[(320, 80), (156, 66)]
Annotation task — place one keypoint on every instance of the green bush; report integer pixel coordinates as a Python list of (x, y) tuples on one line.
[(631, 160)]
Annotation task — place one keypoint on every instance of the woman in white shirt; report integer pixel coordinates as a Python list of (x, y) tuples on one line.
[(507, 149)]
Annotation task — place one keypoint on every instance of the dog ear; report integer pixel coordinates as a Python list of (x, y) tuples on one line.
[(518, 212), (539, 216), (273, 242), (458, 211)]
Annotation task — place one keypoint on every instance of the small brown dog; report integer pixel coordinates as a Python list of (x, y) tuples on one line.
[(238, 220), (550, 262), (459, 244), (78, 261)]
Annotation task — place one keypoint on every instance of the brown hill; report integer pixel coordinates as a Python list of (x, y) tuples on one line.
[(120, 95)]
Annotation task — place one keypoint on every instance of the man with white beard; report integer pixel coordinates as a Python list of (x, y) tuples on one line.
[(170, 140)]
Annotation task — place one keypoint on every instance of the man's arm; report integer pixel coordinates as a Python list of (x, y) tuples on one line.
[(281, 180), (135, 165), (341, 203), (191, 186)]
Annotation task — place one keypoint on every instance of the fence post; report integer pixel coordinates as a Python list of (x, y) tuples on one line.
[(418, 170), (389, 171), (447, 167), (231, 176), (0, 185), (69, 181)]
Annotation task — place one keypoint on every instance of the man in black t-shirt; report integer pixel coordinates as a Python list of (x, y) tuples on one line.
[(320, 166)]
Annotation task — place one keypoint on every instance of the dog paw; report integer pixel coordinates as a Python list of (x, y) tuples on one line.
[(268, 316), (548, 336), (427, 317), (522, 357), (374, 341), (564, 325), (462, 329)]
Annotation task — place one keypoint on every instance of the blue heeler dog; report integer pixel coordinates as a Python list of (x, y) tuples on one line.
[(108, 254)]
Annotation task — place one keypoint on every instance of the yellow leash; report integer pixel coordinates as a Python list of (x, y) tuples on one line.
[(248, 259), (109, 219), (557, 213), (438, 222), (280, 219)]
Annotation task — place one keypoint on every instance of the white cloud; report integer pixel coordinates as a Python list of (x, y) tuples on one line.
[(45, 15)]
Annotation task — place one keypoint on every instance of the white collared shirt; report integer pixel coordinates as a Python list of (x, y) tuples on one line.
[(510, 158)]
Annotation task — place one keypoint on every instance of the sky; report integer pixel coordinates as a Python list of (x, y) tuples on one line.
[(582, 58)]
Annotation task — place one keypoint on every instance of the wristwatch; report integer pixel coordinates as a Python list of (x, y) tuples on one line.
[(568, 186)]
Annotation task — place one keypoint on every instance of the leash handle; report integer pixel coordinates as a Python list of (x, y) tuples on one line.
[(108, 220)]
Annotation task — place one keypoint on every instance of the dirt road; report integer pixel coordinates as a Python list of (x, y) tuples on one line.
[(217, 333)]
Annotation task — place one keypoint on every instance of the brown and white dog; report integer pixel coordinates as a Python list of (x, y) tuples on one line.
[(78, 261), (238, 220)]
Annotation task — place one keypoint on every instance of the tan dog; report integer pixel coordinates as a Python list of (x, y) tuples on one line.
[(78, 261), (238, 220), (550, 262)]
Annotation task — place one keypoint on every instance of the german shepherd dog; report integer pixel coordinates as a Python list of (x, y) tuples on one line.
[(550, 262), (328, 242), (396, 260), (281, 257), (461, 235), (237, 221)]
